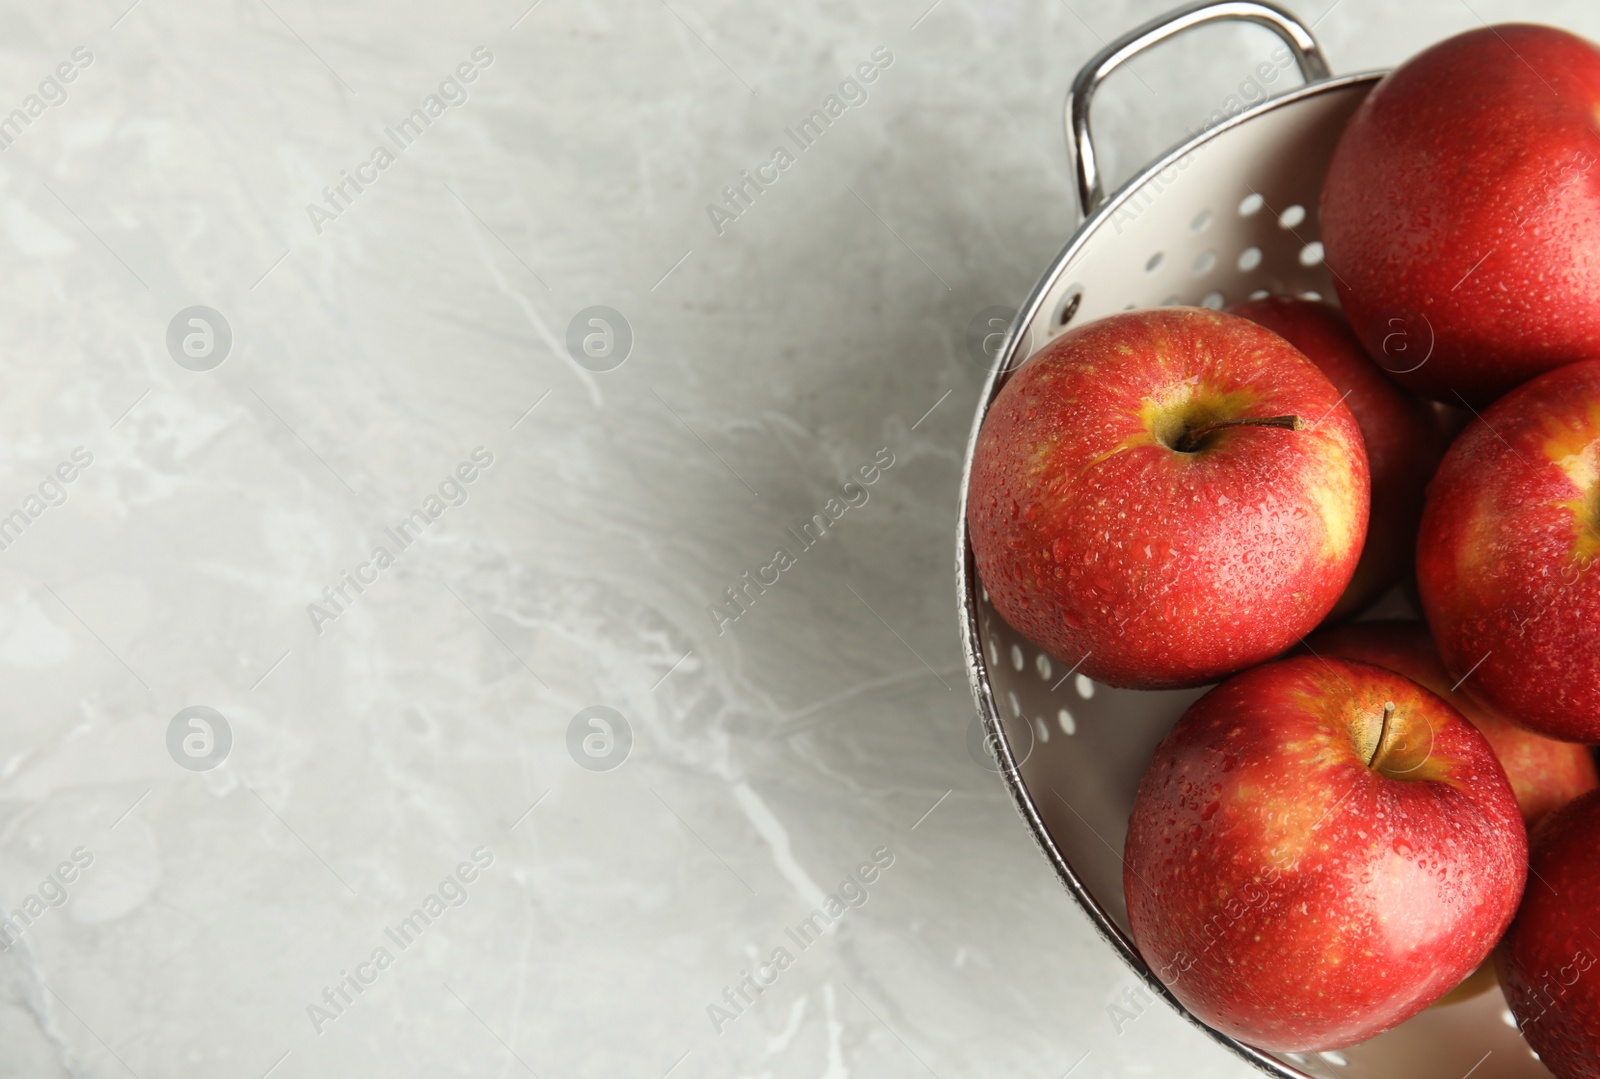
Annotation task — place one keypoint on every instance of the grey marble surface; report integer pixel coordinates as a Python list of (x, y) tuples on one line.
[(380, 742)]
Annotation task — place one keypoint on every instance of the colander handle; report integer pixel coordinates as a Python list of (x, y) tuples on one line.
[(1304, 47)]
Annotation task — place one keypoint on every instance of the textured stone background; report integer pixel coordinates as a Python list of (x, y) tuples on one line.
[(371, 357)]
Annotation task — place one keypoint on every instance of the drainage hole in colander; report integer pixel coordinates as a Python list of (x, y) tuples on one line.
[(1069, 726), (1042, 727), (1070, 305), (1311, 253), (1250, 258), (1201, 221), (1041, 663), (1155, 262), (1291, 217), (1212, 300), (1260, 294), (1172, 301), (1252, 204), (1311, 294), (1205, 261)]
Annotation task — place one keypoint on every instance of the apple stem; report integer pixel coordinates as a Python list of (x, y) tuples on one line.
[(1190, 440), (1383, 730)]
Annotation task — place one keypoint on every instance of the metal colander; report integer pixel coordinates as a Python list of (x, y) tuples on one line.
[(1228, 215)]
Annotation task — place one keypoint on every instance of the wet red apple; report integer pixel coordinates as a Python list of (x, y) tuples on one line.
[(1167, 496), (1547, 961), (1545, 774), (1319, 850), (1403, 436), (1461, 212), (1506, 559)]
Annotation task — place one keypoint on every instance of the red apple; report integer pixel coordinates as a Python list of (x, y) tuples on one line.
[(1545, 774), (1461, 212), (1548, 957), (1320, 849), (1167, 496), (1403, 436), (1506, 557)]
